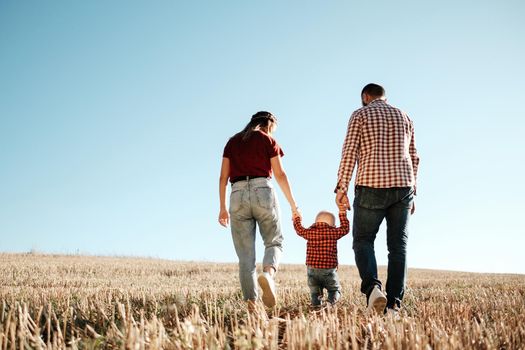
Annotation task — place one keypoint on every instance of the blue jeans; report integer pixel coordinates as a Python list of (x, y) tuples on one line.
[(371, 206), (254, 203), (320, 279)]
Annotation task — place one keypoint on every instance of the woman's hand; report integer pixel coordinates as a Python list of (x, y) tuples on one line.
[(224, 218), (296, 213)]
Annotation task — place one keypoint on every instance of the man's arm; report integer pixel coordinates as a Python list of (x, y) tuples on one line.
[(349, 153), (415, 163), (413, 153), (348, 159)]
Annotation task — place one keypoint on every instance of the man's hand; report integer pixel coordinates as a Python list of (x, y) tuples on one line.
[(224, 217), (342, 202)]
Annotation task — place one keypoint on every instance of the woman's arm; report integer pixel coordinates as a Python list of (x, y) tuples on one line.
[(282, 180), (224, 217)]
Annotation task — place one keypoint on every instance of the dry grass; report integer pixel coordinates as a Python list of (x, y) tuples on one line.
[(55, 302)]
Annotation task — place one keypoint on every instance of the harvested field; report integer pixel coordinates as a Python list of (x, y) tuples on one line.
[(83, 302)]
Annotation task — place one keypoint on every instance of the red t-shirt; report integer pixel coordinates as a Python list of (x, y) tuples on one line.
[(251, 157)]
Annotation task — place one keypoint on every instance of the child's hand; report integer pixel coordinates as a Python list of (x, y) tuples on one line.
[(296, 214)]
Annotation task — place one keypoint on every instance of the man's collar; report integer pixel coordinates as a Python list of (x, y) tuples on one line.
[(380, 99)]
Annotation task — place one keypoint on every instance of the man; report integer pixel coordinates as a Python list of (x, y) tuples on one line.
[(380, 139)]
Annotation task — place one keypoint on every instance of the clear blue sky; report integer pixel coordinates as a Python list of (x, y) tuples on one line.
[(114, 114)]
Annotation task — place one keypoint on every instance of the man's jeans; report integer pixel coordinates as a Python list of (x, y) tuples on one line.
[(254, 202), (371, 206), (319, 279)]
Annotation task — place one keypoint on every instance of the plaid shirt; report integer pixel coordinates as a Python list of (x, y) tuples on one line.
[(321, 245), (380, 138)]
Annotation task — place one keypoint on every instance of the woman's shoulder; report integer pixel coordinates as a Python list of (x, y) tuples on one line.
[(235, 138), (264, 136), (256, 137)]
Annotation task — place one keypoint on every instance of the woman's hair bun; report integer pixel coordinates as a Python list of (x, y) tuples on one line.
[(264, 115)]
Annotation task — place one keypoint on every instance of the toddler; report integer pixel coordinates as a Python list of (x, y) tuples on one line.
[(321, 254)]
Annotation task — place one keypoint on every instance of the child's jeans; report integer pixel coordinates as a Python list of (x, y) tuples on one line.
[(319, 279)]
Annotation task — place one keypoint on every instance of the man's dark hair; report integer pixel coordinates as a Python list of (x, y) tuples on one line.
[(373, 90)]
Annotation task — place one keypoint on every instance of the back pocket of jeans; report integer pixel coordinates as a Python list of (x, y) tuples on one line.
[(235, 200), (408, 201), (265, 197), (370, 199)]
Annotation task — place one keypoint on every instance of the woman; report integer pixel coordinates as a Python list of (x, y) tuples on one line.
[(249, 159)]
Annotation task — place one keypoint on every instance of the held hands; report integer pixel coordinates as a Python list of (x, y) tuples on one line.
[(224, 217), (342, 202), (296, 213)]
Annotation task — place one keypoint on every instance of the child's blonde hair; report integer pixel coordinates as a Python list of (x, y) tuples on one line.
[(325, 216)]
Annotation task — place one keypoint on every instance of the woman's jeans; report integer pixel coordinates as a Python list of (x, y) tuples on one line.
[(319, 279), (254, 202), (371, 206)]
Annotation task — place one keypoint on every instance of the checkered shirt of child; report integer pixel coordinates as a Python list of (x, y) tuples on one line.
[(321, 245)]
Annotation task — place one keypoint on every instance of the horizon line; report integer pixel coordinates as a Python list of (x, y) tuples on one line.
[(33, 252)]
